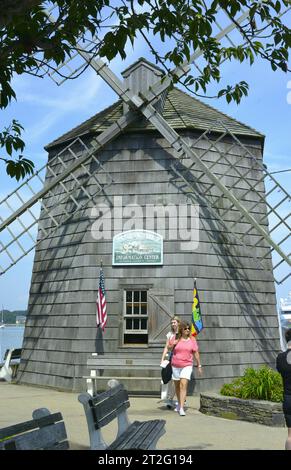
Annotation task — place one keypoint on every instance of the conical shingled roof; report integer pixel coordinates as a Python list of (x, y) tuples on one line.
[(181, 111)]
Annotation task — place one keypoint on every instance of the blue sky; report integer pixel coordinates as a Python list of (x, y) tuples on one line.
[(46, 111)]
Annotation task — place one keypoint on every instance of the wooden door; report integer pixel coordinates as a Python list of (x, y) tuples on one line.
[(160, 311)]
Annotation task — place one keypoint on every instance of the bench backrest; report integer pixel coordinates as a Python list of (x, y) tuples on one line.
[(16, 353), (46, 431), (119, 362), (108, 405)]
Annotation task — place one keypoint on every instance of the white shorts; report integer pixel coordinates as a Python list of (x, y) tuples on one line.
[(181, 372)]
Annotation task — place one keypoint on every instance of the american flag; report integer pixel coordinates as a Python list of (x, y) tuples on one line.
[(101, 316)]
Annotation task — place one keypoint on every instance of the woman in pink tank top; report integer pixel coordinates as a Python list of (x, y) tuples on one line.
[(184, 350)]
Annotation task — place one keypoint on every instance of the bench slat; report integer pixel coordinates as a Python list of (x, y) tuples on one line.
[(29, 425), (109, 407), (103, 362), (108, 393), (16, 354), (144, 435), (43, 438), (125, 437), (156, 429), (100, 423), (140, 435)]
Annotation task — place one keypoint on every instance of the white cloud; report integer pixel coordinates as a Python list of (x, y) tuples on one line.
[(78, 99)]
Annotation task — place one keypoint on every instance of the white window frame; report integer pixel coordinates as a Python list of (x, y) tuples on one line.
[(140, 316)]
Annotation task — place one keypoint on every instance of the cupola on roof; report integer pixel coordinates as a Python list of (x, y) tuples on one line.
[(141, 75)]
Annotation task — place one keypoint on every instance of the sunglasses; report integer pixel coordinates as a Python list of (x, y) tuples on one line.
[(187, 328)]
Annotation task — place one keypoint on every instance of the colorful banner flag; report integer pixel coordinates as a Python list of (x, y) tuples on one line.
[(197, 323), (101, 316)]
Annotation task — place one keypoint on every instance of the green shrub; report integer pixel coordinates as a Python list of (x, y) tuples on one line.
[(256, 384)]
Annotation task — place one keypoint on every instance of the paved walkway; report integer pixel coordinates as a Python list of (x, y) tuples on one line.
[(194, 431)]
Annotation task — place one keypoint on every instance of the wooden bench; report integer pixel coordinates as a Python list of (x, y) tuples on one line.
[(119, 362), (11, 362), (45, 431), (101, 409)]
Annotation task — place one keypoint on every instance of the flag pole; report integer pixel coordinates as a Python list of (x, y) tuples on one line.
[(101, 314), (197, 324)]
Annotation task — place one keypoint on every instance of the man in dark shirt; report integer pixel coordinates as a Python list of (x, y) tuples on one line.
[(283, 364)]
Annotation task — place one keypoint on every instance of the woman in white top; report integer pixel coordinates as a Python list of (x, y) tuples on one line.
[(168, 390)]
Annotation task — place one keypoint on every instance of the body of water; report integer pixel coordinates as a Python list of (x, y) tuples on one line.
[(11, 336)]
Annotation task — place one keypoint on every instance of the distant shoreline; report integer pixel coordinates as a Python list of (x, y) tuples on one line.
[(15, 317)]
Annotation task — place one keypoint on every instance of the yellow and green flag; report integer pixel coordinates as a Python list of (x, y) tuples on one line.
[(197, 323)]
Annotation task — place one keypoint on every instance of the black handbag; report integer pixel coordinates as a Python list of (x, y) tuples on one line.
[(167, 373)]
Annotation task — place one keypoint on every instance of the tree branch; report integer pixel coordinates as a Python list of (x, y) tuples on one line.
[(12, 8)]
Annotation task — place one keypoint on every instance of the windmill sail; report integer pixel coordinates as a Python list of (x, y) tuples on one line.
[(59, 179), (17, 229)]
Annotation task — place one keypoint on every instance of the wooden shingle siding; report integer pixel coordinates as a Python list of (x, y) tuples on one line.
[(237, 295), (210, 296)]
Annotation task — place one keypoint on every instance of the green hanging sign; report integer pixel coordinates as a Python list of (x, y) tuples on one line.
[(137, 247)]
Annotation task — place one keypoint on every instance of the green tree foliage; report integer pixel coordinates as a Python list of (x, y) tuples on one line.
[(10, 141), (260, 384), (10, 316), (31, 43)]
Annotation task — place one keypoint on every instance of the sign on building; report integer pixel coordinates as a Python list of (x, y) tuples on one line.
[(137, 247)]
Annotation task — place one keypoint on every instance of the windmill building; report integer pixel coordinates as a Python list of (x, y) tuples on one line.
[(156, 220)]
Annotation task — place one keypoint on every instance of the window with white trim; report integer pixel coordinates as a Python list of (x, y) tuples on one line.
[(135, 317)]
